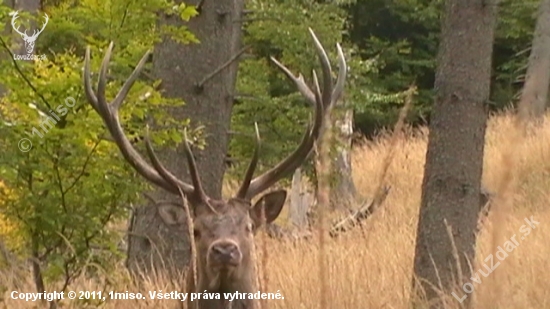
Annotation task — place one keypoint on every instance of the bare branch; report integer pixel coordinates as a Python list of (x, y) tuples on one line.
[(362, 214), (199, 86)]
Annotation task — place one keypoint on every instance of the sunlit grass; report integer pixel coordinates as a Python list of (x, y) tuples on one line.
[(372, 267)]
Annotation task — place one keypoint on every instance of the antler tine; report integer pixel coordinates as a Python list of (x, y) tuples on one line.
[(319, 116), (109, 113), (298, 81), (342, 72), (251, 167), (193, 171), (322, 102), (88, 90), (198, 192), (326, 69)]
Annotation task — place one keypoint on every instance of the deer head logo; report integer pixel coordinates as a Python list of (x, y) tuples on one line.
[(29, 40)]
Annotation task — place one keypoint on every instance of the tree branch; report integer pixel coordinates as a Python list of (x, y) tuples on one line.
[(199, 86), (18, 69), (363, 213)]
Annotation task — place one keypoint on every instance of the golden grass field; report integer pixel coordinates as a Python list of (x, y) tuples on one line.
[(372, 267)]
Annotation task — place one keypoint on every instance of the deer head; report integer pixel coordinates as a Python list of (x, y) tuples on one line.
[(29, 40), (224, 229)]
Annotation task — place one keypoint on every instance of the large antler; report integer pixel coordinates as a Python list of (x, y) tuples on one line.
[(321, 101), (157, 174)]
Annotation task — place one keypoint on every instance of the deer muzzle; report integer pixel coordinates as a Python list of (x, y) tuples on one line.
[(225, 253)]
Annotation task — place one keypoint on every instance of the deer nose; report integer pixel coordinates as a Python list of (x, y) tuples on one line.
[(226, 253)]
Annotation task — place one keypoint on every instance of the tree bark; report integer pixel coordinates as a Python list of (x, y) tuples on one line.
[(454, 160), (343, 193), (299, 202), (152, 243), (537, 80)]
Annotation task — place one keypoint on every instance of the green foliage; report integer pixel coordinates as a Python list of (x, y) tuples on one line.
[(512, 46), (60, 196), (388, 45), (63, 193), (403, 35), (279, 29)]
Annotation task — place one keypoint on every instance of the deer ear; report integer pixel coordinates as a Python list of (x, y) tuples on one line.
[(171, 214), (272, 202)]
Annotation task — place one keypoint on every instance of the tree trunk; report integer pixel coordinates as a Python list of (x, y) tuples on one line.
[(299, 202), (343, 193), (153, 244), (537, 80), (454, 160)]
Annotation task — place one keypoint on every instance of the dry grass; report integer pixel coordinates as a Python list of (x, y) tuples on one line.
[(372, 267)]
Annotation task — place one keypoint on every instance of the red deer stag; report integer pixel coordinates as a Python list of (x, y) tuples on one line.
[(224, 230)]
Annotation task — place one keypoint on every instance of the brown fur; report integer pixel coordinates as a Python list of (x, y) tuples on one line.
[(236, 222)]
